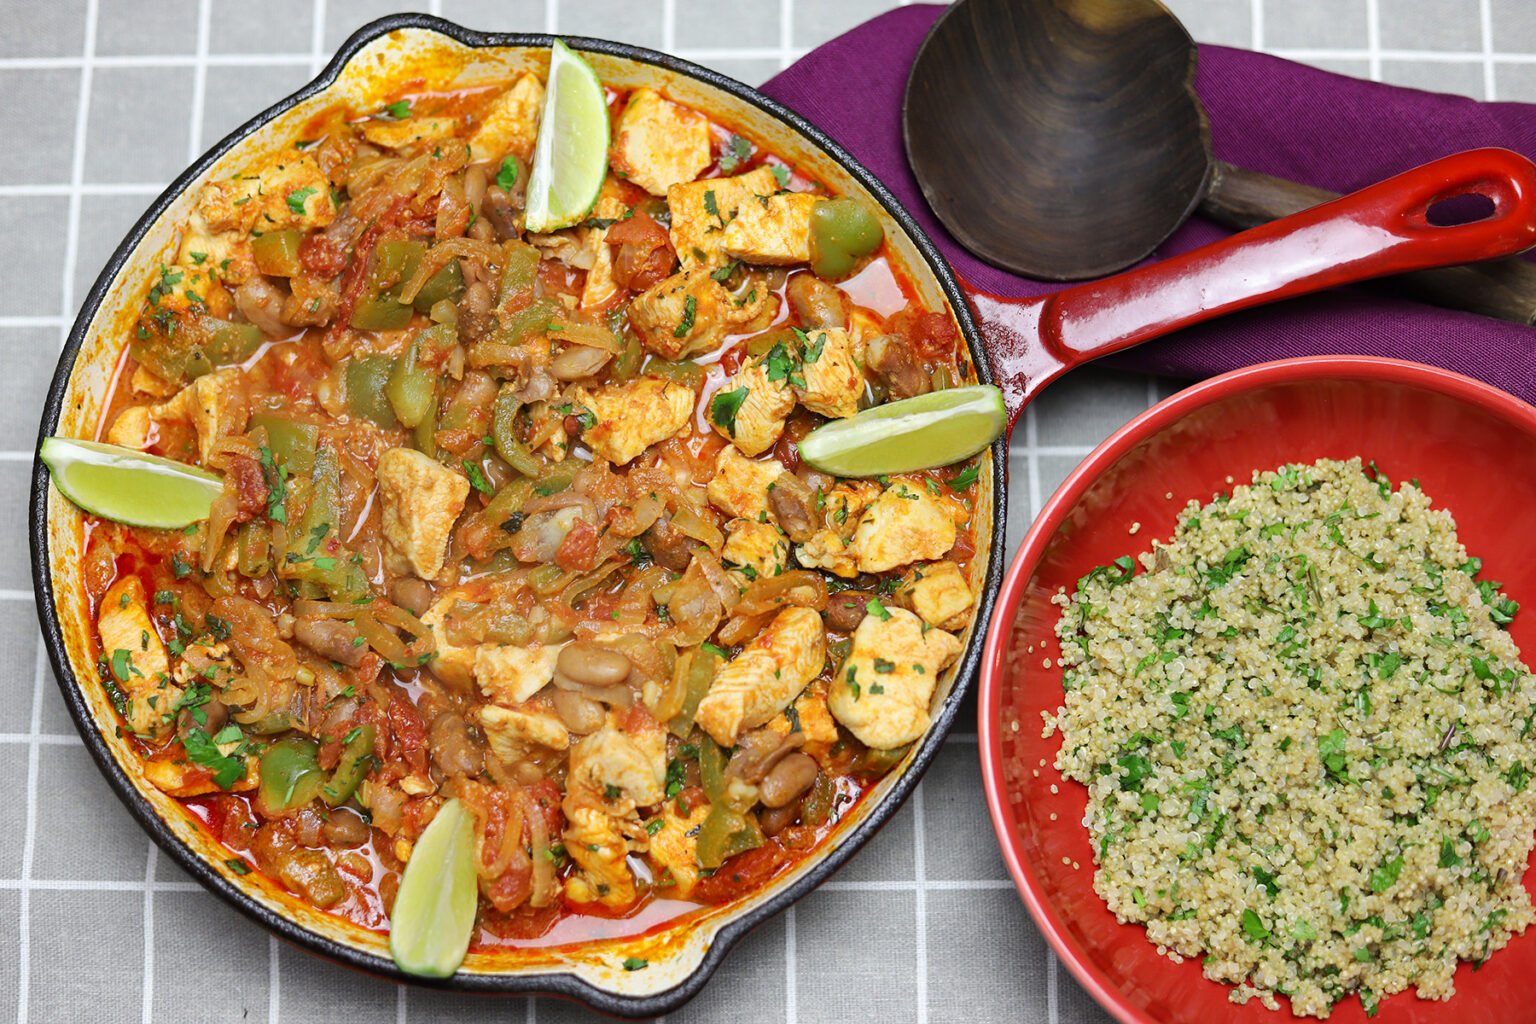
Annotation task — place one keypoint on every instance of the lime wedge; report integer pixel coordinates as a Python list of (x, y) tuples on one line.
[(130, 486), (930, 430), (434, 914), (570, 158)]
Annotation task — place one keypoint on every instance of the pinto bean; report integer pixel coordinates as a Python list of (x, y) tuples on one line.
[(412, 594), (817, 303), (846, 609), (581, 714), (475, 310), (344, 827), (593, 664), (794, 507), (774, 820), (669, 547), (332, 639), (214, 714), (577, 362), (789, 779), (452, 747)]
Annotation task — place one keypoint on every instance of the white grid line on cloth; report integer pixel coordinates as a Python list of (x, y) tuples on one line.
[(93, 885), (62, 739), (1032, 452), (1257, 42), (703, 53), (34, 321), (1485, 34), (1373, 37), (199, 81), (274, 982), (35, 724), (551, 25), (919, 904), (64, 188), (147, 1014), (29, 847)]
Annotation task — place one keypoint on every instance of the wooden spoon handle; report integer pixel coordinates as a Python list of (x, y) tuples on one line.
[(1382, 229), (1506, 289)]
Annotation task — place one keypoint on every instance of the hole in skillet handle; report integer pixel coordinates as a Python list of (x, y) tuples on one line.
[(1463, 209)]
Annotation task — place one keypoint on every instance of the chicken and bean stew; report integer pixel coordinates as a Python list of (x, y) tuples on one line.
[(518, 518)]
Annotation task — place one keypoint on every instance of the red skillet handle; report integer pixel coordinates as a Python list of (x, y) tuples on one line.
[(1382, 229)]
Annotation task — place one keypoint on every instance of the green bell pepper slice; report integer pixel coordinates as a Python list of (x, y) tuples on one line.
[(290, 775), (356, 761)]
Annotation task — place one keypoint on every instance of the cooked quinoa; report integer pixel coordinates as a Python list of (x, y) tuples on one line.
[(1306, 739)]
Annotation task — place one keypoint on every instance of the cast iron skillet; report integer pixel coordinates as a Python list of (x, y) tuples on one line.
[(682, 958), (1379, 230)]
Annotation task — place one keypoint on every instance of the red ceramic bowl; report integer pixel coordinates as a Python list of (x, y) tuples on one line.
[(1471, 446)]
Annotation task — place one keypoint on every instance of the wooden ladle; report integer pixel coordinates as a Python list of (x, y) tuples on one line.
[(1063, 139)]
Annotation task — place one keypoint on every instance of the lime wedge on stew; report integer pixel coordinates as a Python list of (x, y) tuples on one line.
[(434, 914), (570, 158), (130, 486), (930, 430)]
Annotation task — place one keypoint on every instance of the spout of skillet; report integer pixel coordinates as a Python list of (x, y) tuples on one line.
[(1023, 359)]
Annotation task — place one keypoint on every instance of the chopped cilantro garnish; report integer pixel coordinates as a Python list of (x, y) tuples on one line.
[(296, 199), (724, 407)]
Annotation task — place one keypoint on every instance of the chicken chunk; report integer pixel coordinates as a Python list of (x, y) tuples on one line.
[(773, 229), (215, 404), (905, 524), (844, 504), (702, 210), (513, 732), (753, 687), (220, 406), (633, 416), (658, 144), (600, 287), (633, 763), (137, 658), (393, 134), (755, 546), (453, 664), (610, 774), (510, 124), (420, 500), (740, 485), (750, 409), (832, 381), (675, 846), (223, 255), (183, 779), (292, 192), (939, 594), (882, 691), (826, 550), (691, 312), (596, 841), (808, 714), (510, 675)]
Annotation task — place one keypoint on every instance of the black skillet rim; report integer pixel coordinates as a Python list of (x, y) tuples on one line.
[(557, 984)]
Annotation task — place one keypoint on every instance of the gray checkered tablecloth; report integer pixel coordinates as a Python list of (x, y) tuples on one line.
[(104, 101)]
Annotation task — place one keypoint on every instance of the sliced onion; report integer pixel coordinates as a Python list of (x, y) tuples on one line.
[(543, 865), (639, 594), (687, 520), (440, 255), (386, 644)]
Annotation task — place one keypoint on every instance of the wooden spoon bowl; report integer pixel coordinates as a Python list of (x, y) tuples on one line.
[(1018, 115)]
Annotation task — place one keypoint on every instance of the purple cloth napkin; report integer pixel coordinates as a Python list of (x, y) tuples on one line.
[(1267, 115)]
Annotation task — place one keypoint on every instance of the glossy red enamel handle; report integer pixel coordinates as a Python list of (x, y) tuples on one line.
[(1382, 229)]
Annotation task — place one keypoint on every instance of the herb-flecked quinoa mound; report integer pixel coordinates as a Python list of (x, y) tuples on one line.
[(1306, 738)]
